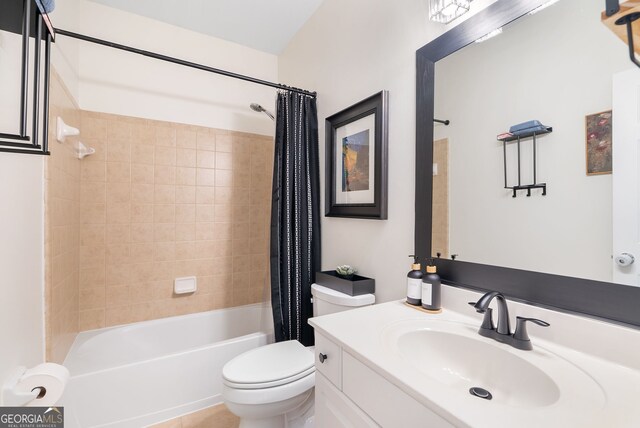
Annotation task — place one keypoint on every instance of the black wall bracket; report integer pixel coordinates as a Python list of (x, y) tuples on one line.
[(628, 21), (612, 7)]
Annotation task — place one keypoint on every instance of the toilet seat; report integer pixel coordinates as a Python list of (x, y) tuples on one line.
[(269, 395), (269, 366), (263, 385)]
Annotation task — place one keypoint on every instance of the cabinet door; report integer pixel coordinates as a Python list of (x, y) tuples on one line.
[(334, 410)]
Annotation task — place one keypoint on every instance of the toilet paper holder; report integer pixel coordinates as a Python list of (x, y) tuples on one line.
[(11, 397), (14, 394)]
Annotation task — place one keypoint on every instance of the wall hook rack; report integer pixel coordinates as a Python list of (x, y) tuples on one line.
[(517, 137)]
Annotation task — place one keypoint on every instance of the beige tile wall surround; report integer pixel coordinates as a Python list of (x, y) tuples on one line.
[(440, 232), (62, 228), (162, 200)]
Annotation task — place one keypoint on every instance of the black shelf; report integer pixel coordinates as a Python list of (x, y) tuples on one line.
[(518, 139), (547, 130)]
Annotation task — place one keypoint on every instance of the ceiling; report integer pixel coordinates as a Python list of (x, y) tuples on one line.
[(264, 25)]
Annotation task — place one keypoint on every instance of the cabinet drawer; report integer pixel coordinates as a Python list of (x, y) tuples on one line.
[(329, 359)]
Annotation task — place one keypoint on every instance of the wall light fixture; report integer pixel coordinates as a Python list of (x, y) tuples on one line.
[(445, 11)]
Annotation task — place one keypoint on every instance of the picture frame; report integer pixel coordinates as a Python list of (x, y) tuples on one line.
[(599, 143), (356, 181)]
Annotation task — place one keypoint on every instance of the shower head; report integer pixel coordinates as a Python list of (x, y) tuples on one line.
[(257, 107), (260, 109)]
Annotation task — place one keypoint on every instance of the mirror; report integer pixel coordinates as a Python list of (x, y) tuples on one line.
[(556, 66)]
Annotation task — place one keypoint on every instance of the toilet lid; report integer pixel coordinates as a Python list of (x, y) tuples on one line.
[(270, 365)]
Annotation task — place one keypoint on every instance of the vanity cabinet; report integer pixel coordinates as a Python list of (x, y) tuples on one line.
[(351, 394), (334, 410)]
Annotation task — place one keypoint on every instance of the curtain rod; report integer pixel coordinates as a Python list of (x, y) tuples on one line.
[(181, 62)]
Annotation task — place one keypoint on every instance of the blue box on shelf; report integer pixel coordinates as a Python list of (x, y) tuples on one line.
[(527, 127)]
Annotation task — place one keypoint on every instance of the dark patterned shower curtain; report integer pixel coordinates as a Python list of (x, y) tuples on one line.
[(295, 216)]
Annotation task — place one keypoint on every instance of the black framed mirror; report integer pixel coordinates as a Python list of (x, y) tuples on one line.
[(596, 298)]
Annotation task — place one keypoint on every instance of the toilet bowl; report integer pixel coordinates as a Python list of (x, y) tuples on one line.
[(266, 384), (273, 386)]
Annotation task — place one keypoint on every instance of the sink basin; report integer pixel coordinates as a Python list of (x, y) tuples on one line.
[(456, 358), (463, 362)]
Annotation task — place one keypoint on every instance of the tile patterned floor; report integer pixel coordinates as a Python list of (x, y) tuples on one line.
[(213, 417)]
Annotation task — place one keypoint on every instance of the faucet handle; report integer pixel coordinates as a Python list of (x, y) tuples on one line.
[(521, 327)]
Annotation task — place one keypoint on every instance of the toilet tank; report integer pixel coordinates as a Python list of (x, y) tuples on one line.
[(327, 301)]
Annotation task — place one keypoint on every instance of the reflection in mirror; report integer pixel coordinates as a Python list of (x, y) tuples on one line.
[(558, 67), (440, 213)]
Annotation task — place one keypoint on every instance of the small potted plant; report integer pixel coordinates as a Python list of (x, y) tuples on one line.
[(346, 272)]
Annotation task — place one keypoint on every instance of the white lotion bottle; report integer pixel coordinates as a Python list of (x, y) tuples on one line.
[(414, 283)]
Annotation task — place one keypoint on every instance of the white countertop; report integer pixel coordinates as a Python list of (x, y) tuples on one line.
[(609, 354)]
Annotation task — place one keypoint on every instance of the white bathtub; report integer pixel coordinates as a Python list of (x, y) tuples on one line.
[(148, 372)]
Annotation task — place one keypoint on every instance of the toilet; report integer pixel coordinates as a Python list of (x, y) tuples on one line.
[(272, 386)]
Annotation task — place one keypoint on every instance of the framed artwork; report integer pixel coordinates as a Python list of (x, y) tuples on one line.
[(599, 143), (356, 160)]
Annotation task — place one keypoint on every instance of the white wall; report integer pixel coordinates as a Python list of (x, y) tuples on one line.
[(65, 55), (118, 82), (348, 51), (22, 216), (555, 69), (21, 262), (21, 232), (10, 71)]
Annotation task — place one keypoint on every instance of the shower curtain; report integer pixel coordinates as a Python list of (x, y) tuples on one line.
[(295, 216)]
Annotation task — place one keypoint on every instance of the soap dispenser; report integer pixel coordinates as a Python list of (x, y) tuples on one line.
[(431, 288), (414, 281)]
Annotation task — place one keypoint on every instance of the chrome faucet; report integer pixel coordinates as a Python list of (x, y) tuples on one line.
[(520, 338)]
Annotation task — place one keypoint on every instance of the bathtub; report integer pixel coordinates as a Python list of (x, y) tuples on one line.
[(144, 373)]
